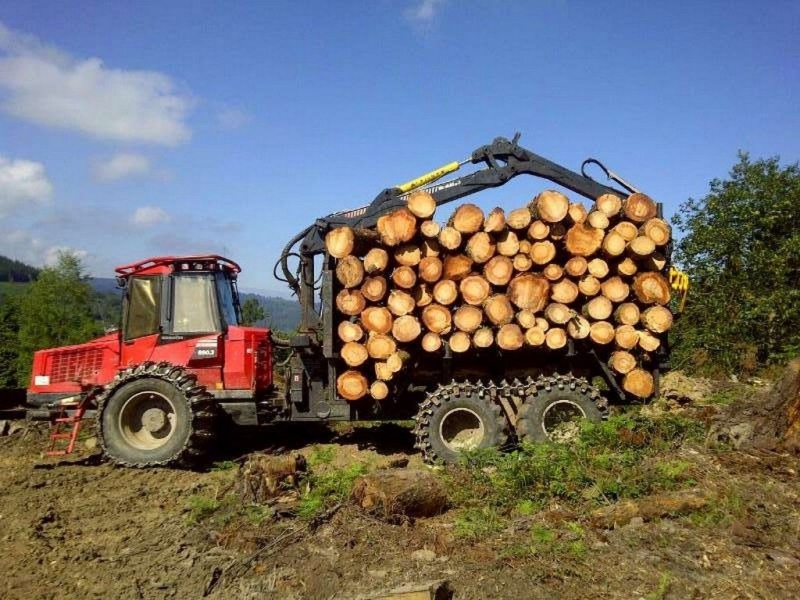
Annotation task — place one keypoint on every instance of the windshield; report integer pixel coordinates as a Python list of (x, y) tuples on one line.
[(227, 299), (194, 304)]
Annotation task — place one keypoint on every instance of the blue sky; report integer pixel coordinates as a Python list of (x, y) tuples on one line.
[(132, 129)]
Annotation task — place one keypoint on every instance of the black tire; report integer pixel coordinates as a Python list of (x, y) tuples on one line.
[(554, 404), (155, 414), (458, 417)]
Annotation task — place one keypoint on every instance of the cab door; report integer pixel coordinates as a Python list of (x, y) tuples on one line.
[(141, 319)]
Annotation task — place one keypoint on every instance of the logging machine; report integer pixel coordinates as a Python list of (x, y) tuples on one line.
[(182, 367)]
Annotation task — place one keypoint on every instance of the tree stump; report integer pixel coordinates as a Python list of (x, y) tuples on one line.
[(263, 477), (400, 494)]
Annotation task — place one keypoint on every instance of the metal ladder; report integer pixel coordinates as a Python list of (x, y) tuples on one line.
[(67, 427)]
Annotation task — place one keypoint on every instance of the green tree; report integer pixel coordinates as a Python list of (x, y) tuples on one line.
[(9, 332), (252, 312), (741, 249), (55, 311)]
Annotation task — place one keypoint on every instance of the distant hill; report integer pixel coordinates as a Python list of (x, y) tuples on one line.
[(14, 271)]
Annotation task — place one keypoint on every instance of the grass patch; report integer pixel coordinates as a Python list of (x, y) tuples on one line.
[(326, 489), (223, 465), (201, 508)]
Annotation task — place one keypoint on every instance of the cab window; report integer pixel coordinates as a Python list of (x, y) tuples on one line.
[(142, 309), (194, 304)]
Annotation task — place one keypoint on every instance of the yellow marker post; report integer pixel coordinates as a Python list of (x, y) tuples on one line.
[(429, 177), (679, 282)]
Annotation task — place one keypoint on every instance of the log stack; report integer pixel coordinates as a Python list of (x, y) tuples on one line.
[(534, 277)]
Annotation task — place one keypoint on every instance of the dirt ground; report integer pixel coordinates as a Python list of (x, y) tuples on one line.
[(85, 529)]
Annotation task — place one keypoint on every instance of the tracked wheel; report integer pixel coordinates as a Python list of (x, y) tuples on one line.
[(456, 418), (554, 407), (155, 414)]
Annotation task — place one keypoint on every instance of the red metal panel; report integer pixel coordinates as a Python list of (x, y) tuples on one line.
[(73, 368)]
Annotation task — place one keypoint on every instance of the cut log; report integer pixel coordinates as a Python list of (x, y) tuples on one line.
[(524, 246), (467, 218), (456, 267), (554, 272), (397, 227), (598, 308), (349, 332), (589, 285), (510, 337), (564, 291), (352, 385), (655, 262), (597, 267), (639, 383), (528, 291), (576, 266), (648, 342), (583, 240), (657, 230), (578, 327), (538, 230), (379, 390), (430, 269), (450, 238), (519, 218), (558, 314), (474, 289), (657, 319), (499, 270), (534, 336), (445, 292), (555, 338), (408, 255), (422, 295), (380, 346), (377, 319), (627, 313), (483, 338), (459, 342), (602, 332), (480, 247), (340, 242), (354, 354), (382, 371), (400, 303), (431, 342), (551, 206), (430, 229), (495, 220), (622, 362), (498, 309), (626, 337), (627, 267), (542, 323), (404, 277), (542, 252), (651, 288), (396, 495), (522, 262), (615, 289), (437, 318), (641, 247), (406, 328), (614, 244), (374, 288), (577, 212), (526, 319), (627, 230), (468, 318), (507, 243), (429, 247), (609, 204), (598, 220), (350, 271), (421, 204), (639, 208), (350, 302), (376, 261)]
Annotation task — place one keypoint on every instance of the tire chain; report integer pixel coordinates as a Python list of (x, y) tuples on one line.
[(526, 390), (201, 404)]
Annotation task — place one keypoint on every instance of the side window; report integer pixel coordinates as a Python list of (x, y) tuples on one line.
[(194, 304), (143, 307)]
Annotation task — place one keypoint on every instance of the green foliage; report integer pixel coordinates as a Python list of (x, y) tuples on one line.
[(741, 249), (9, 331), (476, 523), (201, 508), (252, 312), (56, 311), (15, 271), (663, 587), (326, 489)]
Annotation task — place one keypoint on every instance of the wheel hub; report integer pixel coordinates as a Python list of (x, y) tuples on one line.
[(462, 429), (154, 419), (562, 420), (147, 420)]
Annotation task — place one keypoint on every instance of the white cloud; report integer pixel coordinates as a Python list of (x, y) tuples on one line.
[(19, 244), (22, 182), (121, 166), (149, 216), (49, 87), (423, 13), (233, 118)]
